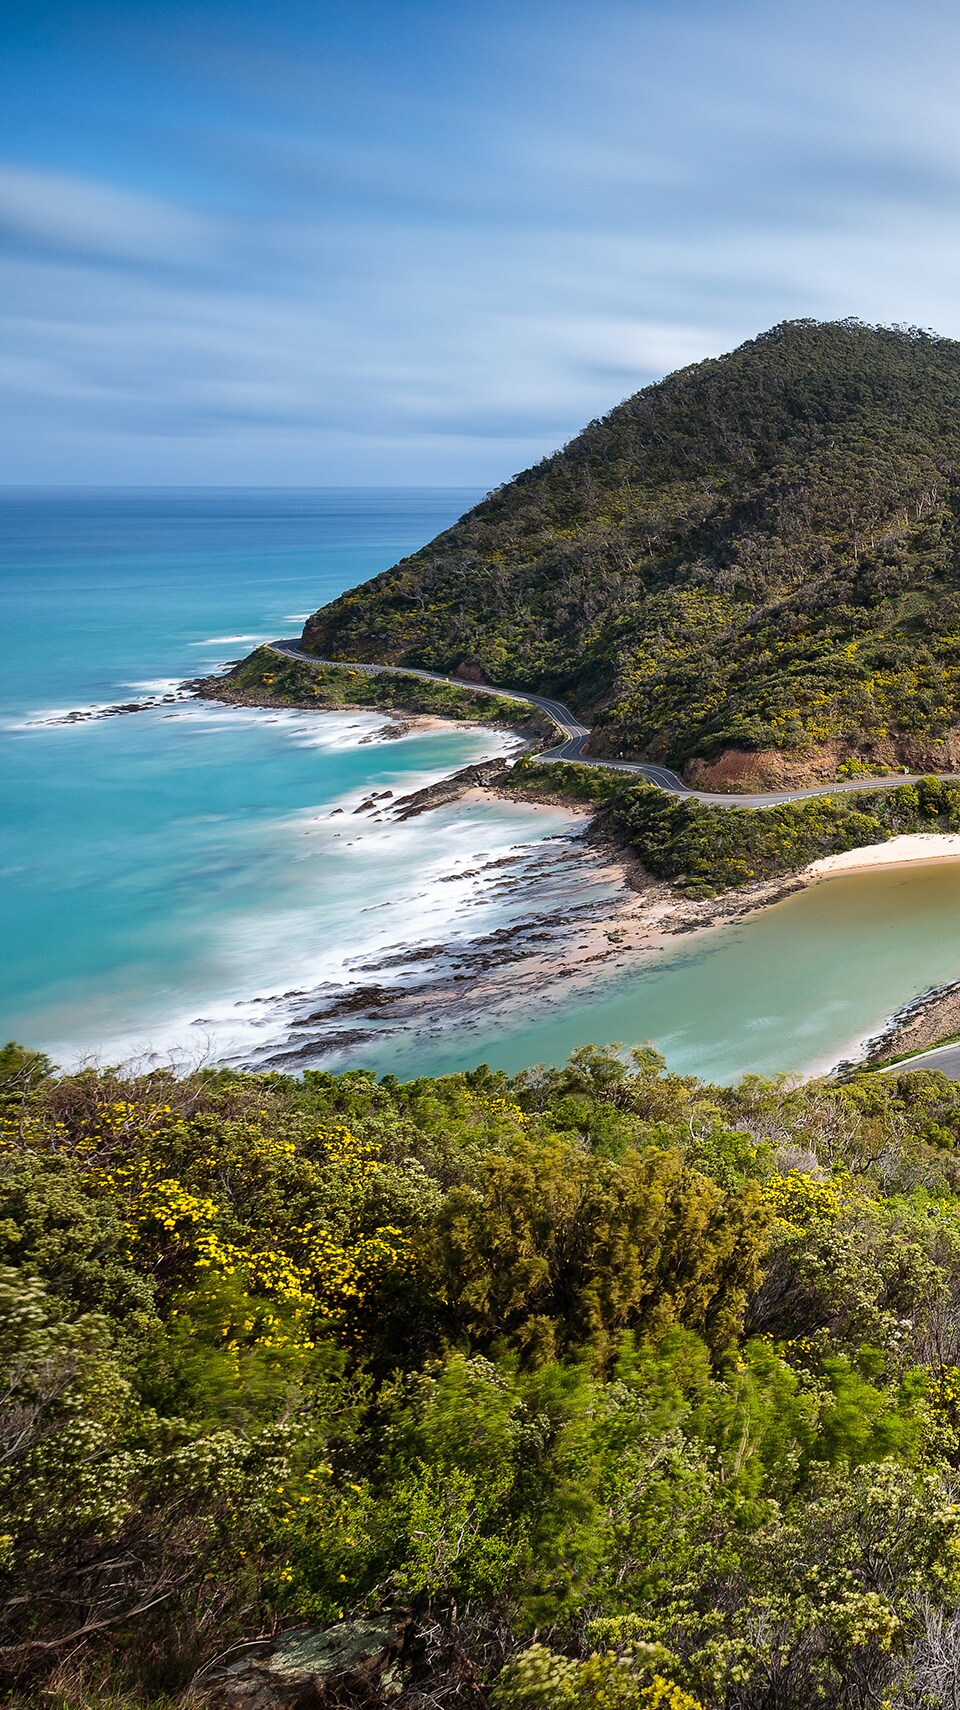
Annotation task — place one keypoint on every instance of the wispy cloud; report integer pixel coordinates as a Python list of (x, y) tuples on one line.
[(72, 217), (405, 244)]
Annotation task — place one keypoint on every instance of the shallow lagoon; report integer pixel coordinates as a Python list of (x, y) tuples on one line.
[(792, 988)]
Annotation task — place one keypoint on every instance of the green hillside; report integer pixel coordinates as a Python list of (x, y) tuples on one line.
[(760, 555)]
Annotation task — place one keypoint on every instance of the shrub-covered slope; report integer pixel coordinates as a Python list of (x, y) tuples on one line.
[(264, 677), (760, 553), (620, 1391)]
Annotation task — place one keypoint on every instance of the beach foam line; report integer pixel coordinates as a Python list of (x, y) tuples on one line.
[(227, 640), (324, 949), (157, 686)]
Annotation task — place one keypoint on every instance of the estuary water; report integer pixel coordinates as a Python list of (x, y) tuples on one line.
[(172, 878), (794, 988)]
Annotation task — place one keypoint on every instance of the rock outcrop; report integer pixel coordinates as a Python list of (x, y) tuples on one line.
[(311, 1668)]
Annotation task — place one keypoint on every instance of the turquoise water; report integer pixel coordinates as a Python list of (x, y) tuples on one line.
[(100, 591), (162, 871), (173, 878)]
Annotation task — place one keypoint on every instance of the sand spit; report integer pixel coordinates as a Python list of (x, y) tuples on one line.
[(586, 916)]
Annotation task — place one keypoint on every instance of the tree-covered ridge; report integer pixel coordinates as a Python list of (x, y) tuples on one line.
[(620, 1390), (761, 552)]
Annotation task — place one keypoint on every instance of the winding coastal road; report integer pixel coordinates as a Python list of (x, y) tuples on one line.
[(576, 735)]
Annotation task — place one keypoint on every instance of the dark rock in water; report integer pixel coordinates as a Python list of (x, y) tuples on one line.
[(486, 773), (312, 1052), (351, 1001), (311, 1668), (422, 953)]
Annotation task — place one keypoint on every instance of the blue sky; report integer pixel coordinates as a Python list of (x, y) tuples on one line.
[(354, 241)]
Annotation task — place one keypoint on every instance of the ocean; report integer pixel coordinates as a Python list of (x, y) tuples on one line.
[(168, 876), (177, 883)]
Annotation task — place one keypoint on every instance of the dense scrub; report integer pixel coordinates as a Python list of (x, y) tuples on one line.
[(703, 850), (634, 1391), (760, 552), (266, 676)]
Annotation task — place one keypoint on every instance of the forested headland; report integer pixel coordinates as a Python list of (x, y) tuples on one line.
[(595, 1387), (750, 570)]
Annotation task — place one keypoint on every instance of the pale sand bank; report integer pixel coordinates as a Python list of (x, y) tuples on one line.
[(897, 852)]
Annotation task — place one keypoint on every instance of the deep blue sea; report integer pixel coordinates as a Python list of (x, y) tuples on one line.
[(177, 879)]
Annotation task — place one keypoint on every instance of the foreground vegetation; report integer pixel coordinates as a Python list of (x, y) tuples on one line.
[(706, 850), (758, 553), (631, 1392), (266, 676)]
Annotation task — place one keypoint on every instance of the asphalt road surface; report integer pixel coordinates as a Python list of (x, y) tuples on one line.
[(946, 1058), (576, 735)]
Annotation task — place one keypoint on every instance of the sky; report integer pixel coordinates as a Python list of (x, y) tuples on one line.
[(405, 242)]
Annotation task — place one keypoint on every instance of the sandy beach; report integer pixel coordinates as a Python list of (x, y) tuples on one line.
[(896, 852)]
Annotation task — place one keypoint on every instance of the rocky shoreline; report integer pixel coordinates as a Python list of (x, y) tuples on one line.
[(589, 914), (532, 730), (931, 1019)]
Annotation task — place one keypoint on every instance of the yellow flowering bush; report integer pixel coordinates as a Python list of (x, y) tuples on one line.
[(523, 1357), (539, 1679), (174, 1229), (797, 1199)]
